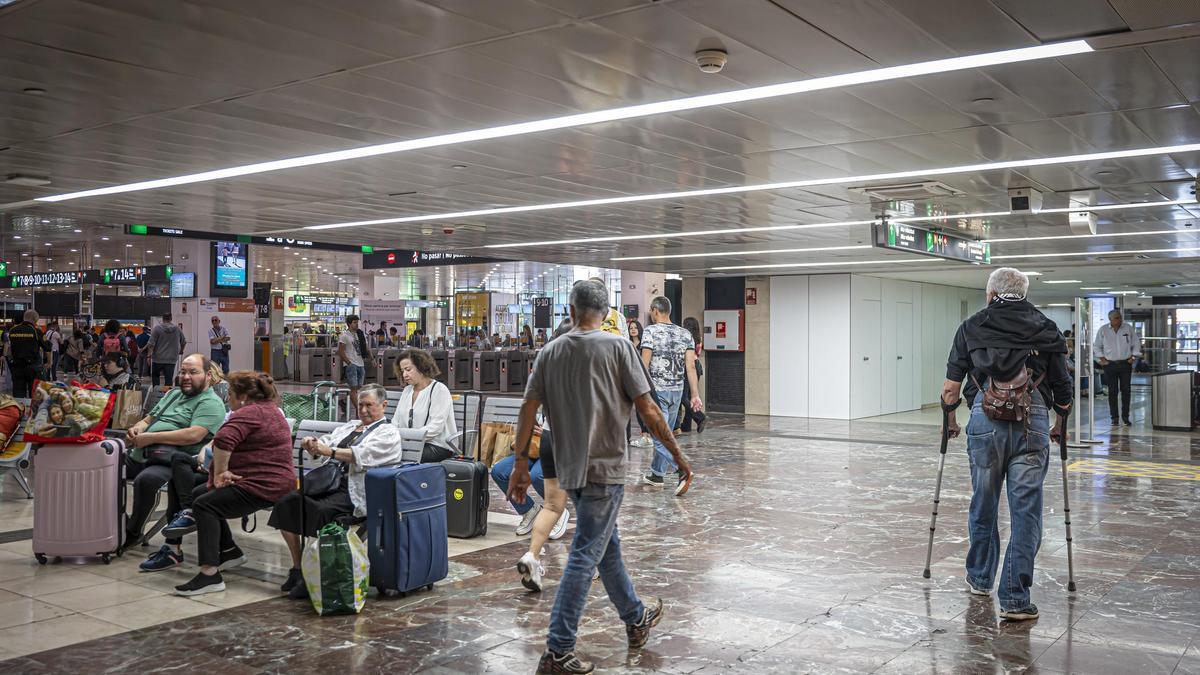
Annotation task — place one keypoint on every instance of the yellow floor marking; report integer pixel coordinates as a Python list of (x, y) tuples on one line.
[(1135, 469)]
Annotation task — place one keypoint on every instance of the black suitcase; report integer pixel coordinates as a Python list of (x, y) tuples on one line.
[(467, 492)]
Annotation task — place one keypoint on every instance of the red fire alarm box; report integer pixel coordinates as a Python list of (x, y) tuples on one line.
[(723, 330)]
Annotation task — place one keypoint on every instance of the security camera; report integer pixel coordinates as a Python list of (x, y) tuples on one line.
[(1024, 200), (711, 60)]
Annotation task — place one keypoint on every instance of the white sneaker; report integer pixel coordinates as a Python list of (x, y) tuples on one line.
[(642, 442), (526, 525), (531, 572), (560, 528)]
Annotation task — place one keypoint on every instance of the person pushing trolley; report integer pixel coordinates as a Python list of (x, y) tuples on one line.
[(1010, 362)]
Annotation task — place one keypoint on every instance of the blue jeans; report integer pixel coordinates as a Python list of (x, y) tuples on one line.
[(596, 544), (502, 472), (668, 402), (354, 375), (221, 358), (1000, 451)]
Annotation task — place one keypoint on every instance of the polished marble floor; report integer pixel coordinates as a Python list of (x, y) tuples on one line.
[(799, 550)]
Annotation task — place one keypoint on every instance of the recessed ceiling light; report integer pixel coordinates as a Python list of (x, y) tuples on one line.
[(628, 112), (49, 244), (16, 236), (77, 231), (103, 238), (45, 221), (95, 255), (74, 250)]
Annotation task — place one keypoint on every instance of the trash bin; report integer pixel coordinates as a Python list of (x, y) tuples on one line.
[(1171, 400)]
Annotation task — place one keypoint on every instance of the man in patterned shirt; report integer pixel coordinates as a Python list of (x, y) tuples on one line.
[(669, 353)]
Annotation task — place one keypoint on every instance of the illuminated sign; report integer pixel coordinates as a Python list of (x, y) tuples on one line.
[(911, 239), (150, 230), (45, 279), (124, 275), (385, 259)]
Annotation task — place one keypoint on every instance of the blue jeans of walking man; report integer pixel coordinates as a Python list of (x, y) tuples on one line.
[(596, 544), (1000, 452), (668, 402)]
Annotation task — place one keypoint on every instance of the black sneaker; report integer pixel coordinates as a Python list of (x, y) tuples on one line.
[(639, 632), (201, 584), (1127, 422), (1023, 614), (562, 663), (299, 591), (652, 480), (231, 558), (294, 577), (1116, 422), (700, 424)]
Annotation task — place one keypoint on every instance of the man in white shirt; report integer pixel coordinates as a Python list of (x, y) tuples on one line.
[(218, 341), (1117, 347), (352, 346)]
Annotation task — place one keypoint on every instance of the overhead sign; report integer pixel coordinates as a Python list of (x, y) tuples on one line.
[(178, 233), (124, 275), (397, 258), (911, 239), (46, 279), (543, 313)]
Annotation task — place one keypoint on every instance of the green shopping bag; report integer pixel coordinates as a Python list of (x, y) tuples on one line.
[(336, 570)]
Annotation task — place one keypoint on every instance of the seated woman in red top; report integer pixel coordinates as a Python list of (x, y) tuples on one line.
[(251, 470)]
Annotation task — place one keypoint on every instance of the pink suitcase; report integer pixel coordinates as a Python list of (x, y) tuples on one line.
[(79, 500)]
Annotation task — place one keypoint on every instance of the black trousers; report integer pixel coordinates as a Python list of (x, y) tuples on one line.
[(1117, 376), (167, 370), (689, 415), (22, 380), (148, 479), (212, 510)]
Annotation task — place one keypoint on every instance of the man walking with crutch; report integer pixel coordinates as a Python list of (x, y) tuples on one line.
[(1013, 360)]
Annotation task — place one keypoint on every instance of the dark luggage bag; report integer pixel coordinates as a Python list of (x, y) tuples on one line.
[(406, 527)]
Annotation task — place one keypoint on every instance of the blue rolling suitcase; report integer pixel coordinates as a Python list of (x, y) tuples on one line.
[(406, 527)]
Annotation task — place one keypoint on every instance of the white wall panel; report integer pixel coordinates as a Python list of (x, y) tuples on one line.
[(829, 346), (789, 346)]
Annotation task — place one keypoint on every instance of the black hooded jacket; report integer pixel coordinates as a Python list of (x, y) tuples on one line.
[(1002, 338)]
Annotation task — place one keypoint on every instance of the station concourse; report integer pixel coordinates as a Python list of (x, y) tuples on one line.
[(786, 234)]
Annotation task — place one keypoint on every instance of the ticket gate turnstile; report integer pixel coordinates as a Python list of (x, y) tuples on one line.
[(460, 363), (440, 358), (315, 365), (386, 370), (486, 371), (512, 371)]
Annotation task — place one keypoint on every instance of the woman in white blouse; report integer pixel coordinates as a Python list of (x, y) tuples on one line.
[(426, 409)]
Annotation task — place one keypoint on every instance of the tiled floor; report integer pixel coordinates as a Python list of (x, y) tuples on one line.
[(799, 550)]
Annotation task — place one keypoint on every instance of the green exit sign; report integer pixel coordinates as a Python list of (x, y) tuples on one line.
[(3, 269), (368, 249)]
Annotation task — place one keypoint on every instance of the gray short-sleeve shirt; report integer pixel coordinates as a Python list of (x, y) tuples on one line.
[(586, 381)]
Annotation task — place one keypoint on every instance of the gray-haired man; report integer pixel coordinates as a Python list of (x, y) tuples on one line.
[(1117, 347), (588, 380)]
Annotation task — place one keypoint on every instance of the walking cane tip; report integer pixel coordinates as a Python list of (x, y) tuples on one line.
[(1071, 587), (926, 575)]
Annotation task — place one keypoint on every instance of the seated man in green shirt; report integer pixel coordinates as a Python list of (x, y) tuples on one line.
[(184, 420)]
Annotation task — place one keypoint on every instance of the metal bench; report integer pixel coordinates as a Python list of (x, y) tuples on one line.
[(15, 458)]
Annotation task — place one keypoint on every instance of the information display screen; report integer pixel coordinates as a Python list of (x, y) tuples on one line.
[(912, 239), (229, 273), (183, 285)]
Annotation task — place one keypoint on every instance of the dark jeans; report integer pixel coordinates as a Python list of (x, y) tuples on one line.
[(54, 365), (212, 510), (167, 370), (22, 380), (1117, 375), (221, 357), (184, 479), (596, 544)]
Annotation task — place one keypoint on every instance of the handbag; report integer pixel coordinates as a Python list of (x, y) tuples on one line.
[(323, 480)]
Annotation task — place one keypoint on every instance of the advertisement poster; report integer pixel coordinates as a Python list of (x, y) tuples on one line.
[(296, 307), (230, 264)]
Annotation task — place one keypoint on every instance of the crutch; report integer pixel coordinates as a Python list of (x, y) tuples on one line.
[(1062, 453), (947, 410)]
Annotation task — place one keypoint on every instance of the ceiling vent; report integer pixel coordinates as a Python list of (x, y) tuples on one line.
[(929, 189)]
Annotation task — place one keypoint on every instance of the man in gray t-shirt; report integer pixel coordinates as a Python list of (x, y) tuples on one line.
[(588, 380)]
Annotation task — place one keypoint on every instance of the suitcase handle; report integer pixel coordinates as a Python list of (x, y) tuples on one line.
[(377, 535)]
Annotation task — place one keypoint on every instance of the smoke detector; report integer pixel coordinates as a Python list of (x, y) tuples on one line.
[(711, 60)]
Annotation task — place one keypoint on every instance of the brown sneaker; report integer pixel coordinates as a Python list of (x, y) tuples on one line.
[(562, 663), (639, 632)]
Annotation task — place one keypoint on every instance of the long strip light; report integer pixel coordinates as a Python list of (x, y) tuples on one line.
[(611, 115), (732, 253), (1089, 253), (685, 194), (824, 264)]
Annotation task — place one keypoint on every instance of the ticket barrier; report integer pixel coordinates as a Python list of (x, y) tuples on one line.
[(459, 374), (440, 357), (315, 365), (385, 372), (512, 371), (486, 371)]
